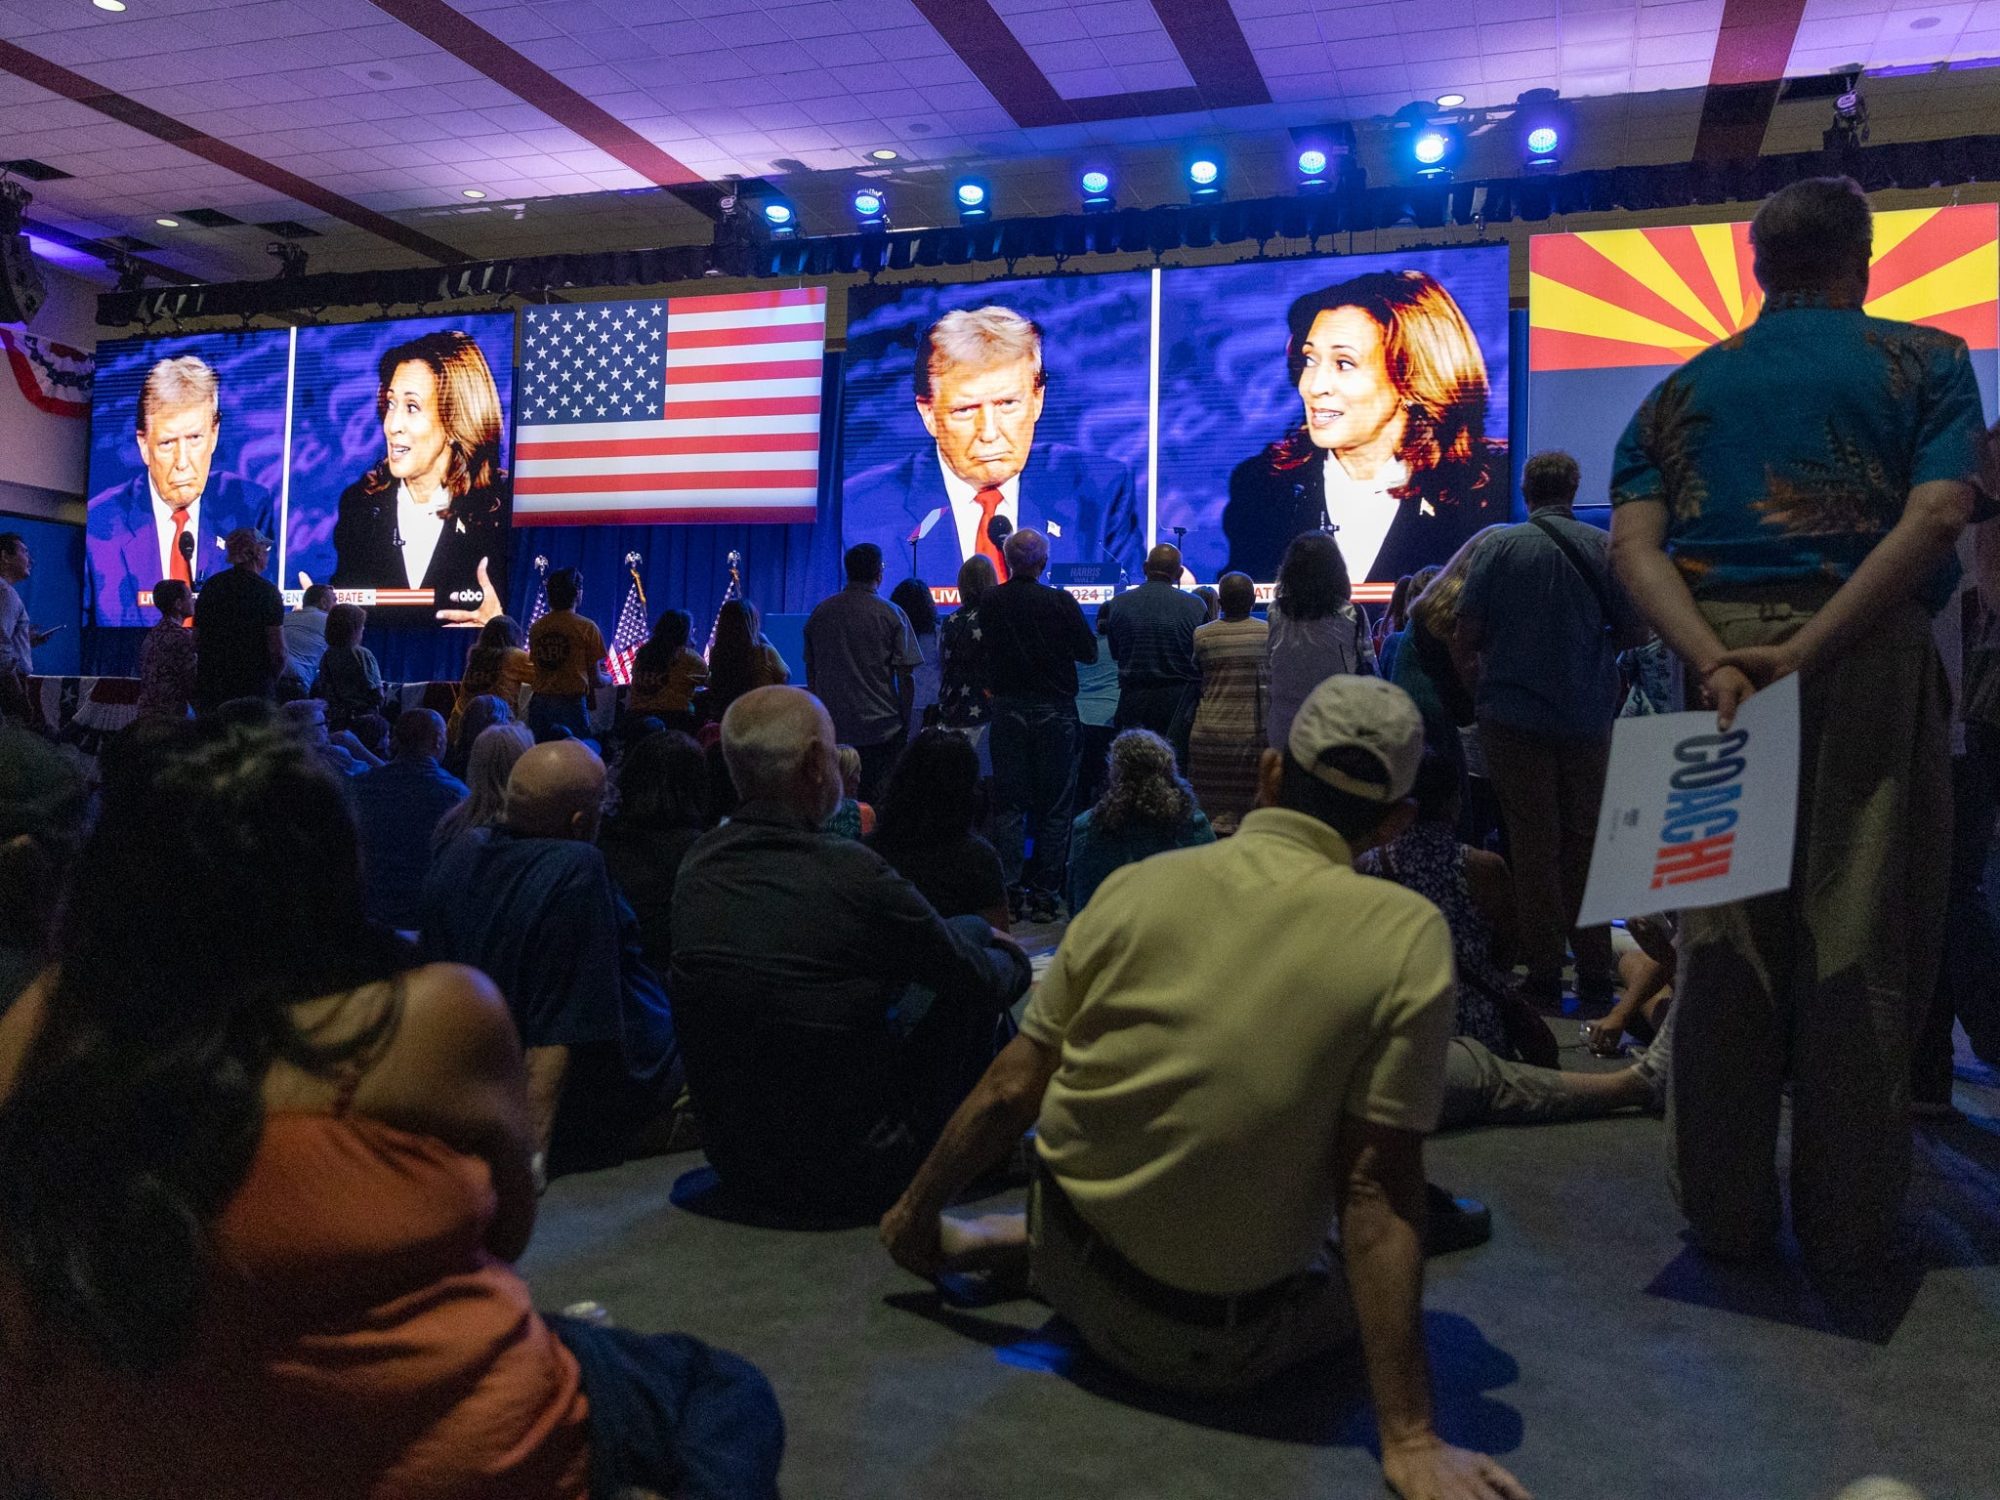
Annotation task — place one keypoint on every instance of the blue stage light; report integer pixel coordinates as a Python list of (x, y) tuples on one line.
[(1312, 162), (1430, 148), (1096, 184), (1093, 185), (1542, 140), (871, 207), (974, 199), (1542, 127), (971, 195), (780, 215), (1202, 172), (1204, 175)]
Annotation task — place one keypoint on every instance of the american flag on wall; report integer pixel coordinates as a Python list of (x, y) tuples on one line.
[(676, 409)]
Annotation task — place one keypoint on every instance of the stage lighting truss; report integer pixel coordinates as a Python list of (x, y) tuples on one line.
[(1323, 157), (1542, 127), (1204, 177), (1434, 151), (871, 208), (973, 197), (1850, 118)]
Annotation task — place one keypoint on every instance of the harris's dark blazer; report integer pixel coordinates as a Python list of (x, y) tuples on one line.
[(1092, 502), (366, 555), (1273, 498)]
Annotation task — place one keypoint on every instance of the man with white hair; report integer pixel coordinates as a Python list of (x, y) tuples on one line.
[(1238, 1047), (831, 1020), (172, 519), (980, 384)]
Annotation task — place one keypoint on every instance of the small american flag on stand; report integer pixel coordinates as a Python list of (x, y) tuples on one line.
[(678, 409), (541, 605), (630, 634)]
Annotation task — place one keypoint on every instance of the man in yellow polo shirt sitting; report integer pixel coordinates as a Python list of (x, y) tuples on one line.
[(1236, 1046)]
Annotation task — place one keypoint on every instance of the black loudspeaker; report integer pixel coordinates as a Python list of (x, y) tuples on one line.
[(22, 290)]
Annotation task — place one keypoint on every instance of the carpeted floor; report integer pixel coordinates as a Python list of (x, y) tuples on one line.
[(1584, 1345)]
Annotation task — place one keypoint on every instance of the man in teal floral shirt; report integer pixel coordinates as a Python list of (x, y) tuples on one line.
[(1788, 502)]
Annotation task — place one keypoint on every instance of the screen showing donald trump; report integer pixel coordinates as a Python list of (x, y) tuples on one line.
[(977, 411)]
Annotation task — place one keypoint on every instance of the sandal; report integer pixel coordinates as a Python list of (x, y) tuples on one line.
[(1600, 1040)]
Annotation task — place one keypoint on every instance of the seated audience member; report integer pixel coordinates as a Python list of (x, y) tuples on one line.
[(1201, 1132), (740, 659), (343, 753), (662, 811), (567, 651), (496, 666), (1475, 892), (42, 804), (304, 633), (529, 902), (397, 807), (167, 666), (666, 674), (349, 681), (1227, 739), (1315, 629), (306, 1179), (369, 736), (1146, 809), (1647, 976), (853, 818), (832, 1021), (486, 772), (913, 597), (928, 829), (473, 720)]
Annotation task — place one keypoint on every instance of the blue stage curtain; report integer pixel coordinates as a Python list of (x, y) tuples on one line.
[(786, 570)]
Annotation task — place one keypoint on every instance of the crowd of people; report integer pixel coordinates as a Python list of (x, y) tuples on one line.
[(261, 1191)]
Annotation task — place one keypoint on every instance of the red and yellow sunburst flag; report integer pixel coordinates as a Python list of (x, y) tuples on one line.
[(1611, 313)]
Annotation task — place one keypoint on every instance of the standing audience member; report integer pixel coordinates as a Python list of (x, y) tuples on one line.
[(740, 660), (306, 1179), (1396, 622), (1146, 809), (1816, 546), (167, 668), (1096, 722), (567, 655), (42, 806), (239, 626), (860, 659), (928, 829), (1151, 630), (1034, 637), (913, 597), (1316, 631), (1543, 621), (486, 772), (496, 665), (397, 808), (1212, 1096), (832, 1020), (1211, 602), (1227, 738), (965, 692), (479, 715), (18, 637), (305, 633), (1430, 664), (667, 673), (529, 902), (349, 679), (662, 811)]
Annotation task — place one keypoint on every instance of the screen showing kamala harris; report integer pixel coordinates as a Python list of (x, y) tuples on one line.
[(369, 456)]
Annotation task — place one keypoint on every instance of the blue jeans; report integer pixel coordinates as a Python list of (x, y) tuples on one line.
[(549, 711), (1034, 789)]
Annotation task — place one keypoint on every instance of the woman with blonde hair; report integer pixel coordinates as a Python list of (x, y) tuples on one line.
[(432, 512), (1392, 451), (487, 768), (1429, 664), (496, 666)]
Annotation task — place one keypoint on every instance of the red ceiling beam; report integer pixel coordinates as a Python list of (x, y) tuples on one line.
[(533, 84), (74, 86)]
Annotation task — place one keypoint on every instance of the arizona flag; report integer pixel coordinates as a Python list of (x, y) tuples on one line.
[(672, 409), (1613, 312)]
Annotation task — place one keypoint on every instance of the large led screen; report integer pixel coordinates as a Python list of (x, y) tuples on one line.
[(1226, 408), (375, 456), (1612, 313)]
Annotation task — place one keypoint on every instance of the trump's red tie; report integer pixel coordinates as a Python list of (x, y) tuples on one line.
[(177, 563), (989, 506)]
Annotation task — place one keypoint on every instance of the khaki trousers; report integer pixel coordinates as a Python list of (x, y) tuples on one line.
[(1821, 985)]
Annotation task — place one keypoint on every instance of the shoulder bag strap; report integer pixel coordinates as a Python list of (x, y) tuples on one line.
[(1572, 554)]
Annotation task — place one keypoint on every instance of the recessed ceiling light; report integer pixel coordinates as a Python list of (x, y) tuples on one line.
[(114, 6), (883, 153), (475, 193), (1450, 101), (168, 223)]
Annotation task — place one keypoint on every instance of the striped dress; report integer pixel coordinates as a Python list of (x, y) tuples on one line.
[(1228, 735)]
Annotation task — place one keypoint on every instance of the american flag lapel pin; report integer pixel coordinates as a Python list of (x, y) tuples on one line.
[(1425, 508), (1055, 530)]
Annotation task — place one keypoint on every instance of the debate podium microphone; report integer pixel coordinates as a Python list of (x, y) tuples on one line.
[(187, 555), (998, 530)]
